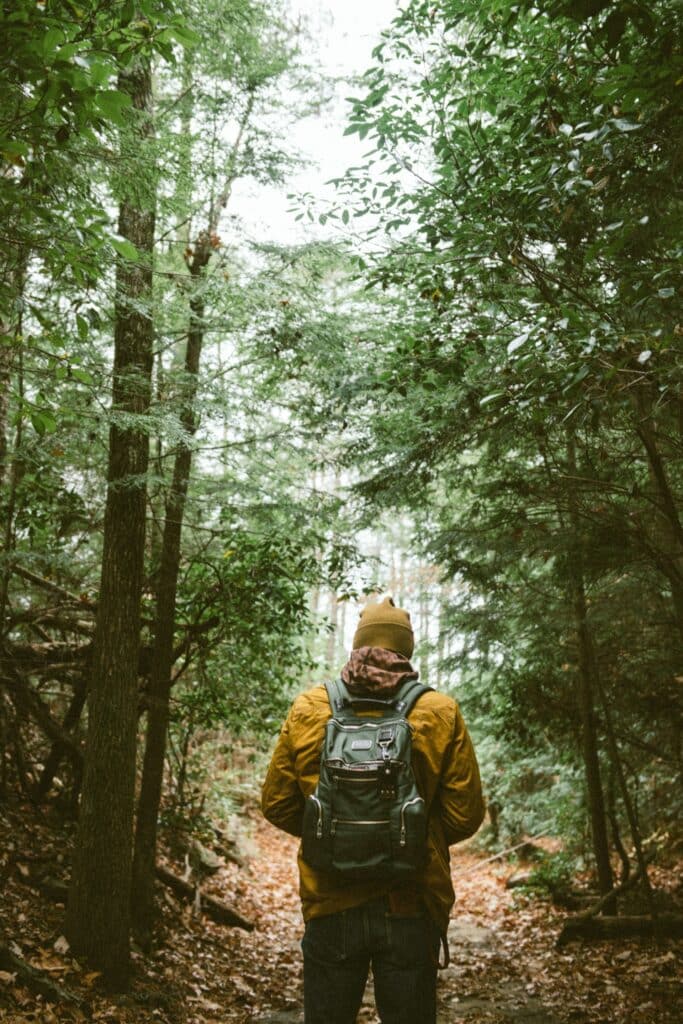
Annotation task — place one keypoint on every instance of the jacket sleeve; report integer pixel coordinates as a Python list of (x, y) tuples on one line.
[(282, 801), (460, 795)]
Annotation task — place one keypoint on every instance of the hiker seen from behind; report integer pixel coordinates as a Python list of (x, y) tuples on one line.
[(377, 775)]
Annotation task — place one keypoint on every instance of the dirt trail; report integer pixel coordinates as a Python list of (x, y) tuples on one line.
[(504, 965)]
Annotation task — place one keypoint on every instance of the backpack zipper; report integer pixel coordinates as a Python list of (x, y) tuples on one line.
[(408, 803), (348, 727), (336, 764), (349, 779), (319, 826), (350, 821)]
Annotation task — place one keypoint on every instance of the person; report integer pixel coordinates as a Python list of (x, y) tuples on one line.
[(350, 924)]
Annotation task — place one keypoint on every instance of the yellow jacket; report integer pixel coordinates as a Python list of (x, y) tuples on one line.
[(447, 777)]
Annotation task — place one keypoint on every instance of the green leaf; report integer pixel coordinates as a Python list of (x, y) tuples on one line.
[(82, 375), (52, 39), (112, 104), (126, 249), (43, 421), (82, 327)]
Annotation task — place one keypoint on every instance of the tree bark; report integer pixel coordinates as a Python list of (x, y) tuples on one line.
[(98, 911)]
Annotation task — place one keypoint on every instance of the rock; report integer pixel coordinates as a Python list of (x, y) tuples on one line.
[(464, 933)]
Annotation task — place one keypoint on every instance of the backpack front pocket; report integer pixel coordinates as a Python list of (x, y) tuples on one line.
[(366, 843)]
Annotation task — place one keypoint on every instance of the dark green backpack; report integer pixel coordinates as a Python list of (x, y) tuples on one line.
[(366, 818)]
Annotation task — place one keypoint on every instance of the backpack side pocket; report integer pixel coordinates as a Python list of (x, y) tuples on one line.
[(315, 836)]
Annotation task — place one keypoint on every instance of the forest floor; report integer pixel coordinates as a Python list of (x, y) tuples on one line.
[(504, 967)]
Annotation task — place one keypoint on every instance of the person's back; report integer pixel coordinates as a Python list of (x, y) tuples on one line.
[(394, 924)]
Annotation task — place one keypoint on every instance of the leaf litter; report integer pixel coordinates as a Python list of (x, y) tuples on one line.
[(504, 964)]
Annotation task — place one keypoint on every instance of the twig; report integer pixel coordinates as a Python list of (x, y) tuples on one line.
[(496, 856)]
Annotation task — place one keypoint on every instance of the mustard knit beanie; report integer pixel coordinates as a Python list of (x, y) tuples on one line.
[(385, 625)]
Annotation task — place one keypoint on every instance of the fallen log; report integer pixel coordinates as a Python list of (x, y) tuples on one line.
[(668, 926), (36, 980), (213, 908)]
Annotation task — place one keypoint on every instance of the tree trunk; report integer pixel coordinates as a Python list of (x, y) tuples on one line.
[(10, 342), (10, 473), (341, 635), (586, 692), (98, 911), (423, 635), (162, 663), (7, 353), (331, 646), (667, 532), (626, 796)]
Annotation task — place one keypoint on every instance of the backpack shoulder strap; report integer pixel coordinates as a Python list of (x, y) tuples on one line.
[(344, 705), (409, 694), (340, 699)]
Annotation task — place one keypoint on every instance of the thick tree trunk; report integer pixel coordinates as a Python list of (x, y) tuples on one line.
[(98, 912), (586, 693)]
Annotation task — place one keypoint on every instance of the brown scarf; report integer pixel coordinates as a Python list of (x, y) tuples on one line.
[(375, 670)]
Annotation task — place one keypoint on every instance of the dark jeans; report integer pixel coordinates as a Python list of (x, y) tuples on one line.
[(339, 948)]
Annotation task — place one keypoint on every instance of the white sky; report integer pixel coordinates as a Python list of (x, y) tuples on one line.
[(344, 34)]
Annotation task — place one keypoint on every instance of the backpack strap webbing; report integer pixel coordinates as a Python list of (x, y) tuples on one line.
[(345, 705)]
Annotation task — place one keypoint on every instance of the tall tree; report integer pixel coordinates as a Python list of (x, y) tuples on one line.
[(98, 912)]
